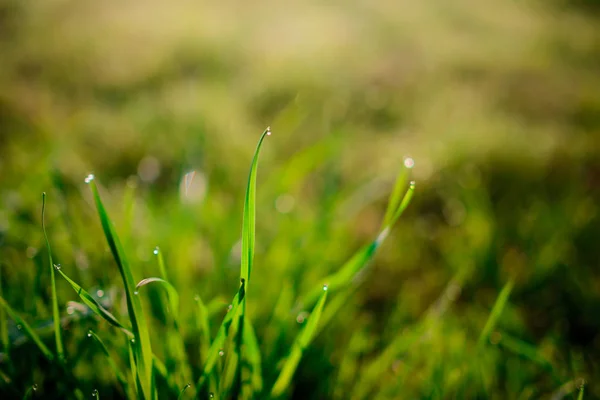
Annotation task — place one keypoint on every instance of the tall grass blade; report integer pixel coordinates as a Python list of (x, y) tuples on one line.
[(89, 301), (300, 344), (111, 362), (249, 223), (29, 332), (141, 346), (395, 196), (60, 352), (495, 313)]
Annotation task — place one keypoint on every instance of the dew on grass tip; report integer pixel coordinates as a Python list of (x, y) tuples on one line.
[(211, 395), (412, 184), (325, 287), (221, 353), (268, 131), (89, 178), (100, 293), (89, 333), (136, 292), (156, 250), (34, 387), (95, 393), (57, 266), (409, 162)]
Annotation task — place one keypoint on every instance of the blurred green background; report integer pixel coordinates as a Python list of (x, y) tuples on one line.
[(498, 103)]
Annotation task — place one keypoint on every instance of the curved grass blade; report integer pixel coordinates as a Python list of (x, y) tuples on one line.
[(249, 221), (217, 346), (89, 301), (141, 346), (171, 292), (350, 270), (120, 376), (301, 343), (396, 195), (496, 312), (55, 314), (161, 263), (27, 329)]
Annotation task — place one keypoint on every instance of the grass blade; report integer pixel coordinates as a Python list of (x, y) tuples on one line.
[(495, 313), (186, 387), (120, 376), (27, 329), (252, 382), (396, 195), (89, 301), (301, 343), (581, 390), (141, 346), (55, 314), (249, 223), (171, 293), (350, 270)]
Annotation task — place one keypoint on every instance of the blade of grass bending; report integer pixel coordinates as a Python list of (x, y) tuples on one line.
[(141, 346), (348, 272), (27, 329), (222, 334), (495, 313), (300, 344), (120, 376), (89, 301), (55, 314), (396, 195), (171, 293), (186, 387)]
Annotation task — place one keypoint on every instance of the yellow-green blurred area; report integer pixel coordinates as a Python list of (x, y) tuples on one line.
[(497, 102)]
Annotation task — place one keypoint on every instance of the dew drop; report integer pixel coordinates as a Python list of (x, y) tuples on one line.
[(409, 162), (57, 267), (95, 393), (34, 387), (325, 287), (19, 327), (221, 353), (136, 292), (229, 307), (412, 184), (302, 317), (268, 131), (156, 250), (89, 178), (100, 293), (211, 395), (90, 333), (132, 340)]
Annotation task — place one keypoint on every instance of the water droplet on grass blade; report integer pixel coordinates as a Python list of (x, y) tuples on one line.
[(89, 178), (100, 293), (409, 162), (221, 353), (412, 184), (90, 333), (211, 395), (34, 387), (95, 393), (57, 266), (136, 292), (268, 131), (325, 287), (156, 250)]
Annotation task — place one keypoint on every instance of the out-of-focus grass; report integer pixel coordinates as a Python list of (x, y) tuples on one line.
[(497, 103)]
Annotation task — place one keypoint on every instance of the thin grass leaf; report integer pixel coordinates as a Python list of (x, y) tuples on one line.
[(29, 332), (495, 313), (249, 223), (96, 394), (171, 293), (29, 392), (55, 314), (111, 362), (581, 390), (395, 196), (142, 347), (133, 368), (352, 268), (89, 301), (300, 344), (222, 334), (161, 263)]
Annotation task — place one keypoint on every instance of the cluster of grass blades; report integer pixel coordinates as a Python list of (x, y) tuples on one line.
[(231, 363)]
